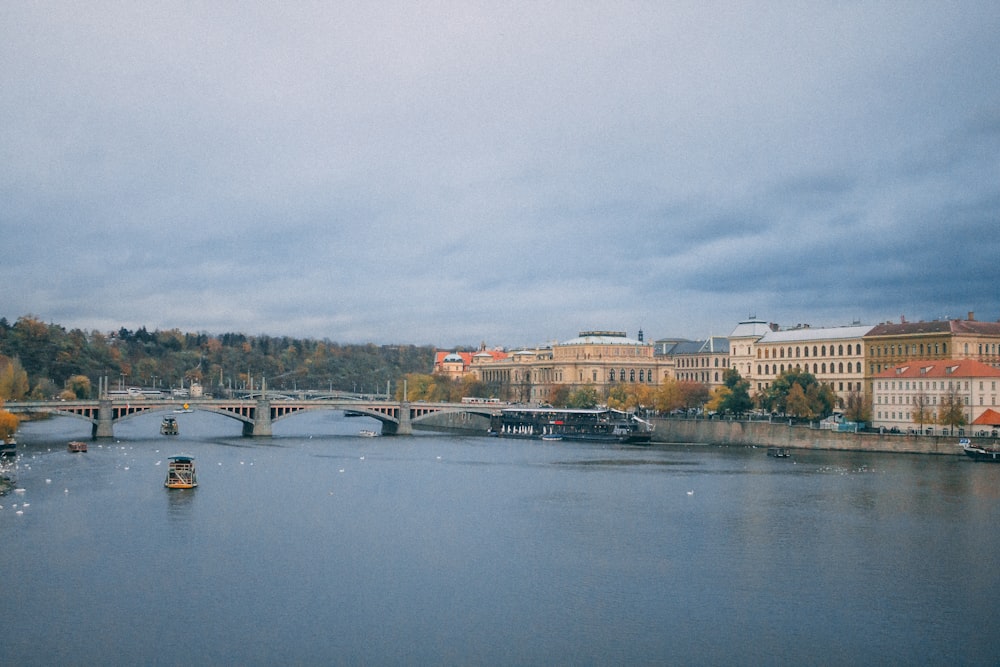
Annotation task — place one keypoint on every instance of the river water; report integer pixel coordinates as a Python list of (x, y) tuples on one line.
[(319, 547)]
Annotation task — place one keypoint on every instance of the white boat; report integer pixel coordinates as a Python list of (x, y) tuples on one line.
[(367, 433)]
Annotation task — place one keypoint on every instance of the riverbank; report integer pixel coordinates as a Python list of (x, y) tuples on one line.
[(770, 434), (747, 433)]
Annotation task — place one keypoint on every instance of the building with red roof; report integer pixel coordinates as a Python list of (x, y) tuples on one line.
[(916, 394)]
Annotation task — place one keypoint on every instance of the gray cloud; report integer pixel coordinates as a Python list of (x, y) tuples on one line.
[(451, 173)]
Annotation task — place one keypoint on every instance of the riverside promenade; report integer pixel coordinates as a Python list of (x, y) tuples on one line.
[(780, 434)]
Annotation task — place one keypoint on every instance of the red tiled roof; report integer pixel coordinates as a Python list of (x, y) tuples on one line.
[(964, 368), (989, 418)]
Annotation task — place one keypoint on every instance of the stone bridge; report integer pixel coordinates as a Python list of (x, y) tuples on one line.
[(257, 416)]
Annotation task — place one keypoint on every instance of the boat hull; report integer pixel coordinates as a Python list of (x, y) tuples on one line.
[(979, 453)]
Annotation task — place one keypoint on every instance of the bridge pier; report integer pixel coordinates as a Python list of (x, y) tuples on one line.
[(405, 426), (104, 427), (261, 426)]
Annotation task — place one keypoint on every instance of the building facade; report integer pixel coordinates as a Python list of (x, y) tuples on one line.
[(833, 355), (912, 396), (598, 359), (702, 361)]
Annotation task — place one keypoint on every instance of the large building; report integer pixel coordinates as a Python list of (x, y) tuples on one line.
[(913, 395), (703, 361), (833, 355), (891, 344), (597, 359)]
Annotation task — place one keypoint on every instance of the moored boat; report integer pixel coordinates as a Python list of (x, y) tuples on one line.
[(168, 426), (181, 473), (367, 433), (980, 452), (778, 452), (77, 447), (9, 446), (594, 425)]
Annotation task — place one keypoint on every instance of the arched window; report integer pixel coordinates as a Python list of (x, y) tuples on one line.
[(797, 352), (611, 375), (840, 350), (621, 375), (642, 375), (631, 375), (814, 351), (805, 351), (824, 368), (840, 367)]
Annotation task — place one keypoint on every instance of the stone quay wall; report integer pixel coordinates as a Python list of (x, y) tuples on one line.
[(775, 434)]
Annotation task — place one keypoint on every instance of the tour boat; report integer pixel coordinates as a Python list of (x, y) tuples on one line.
[(168, 426), (181, 473), (367, 433), (77, 447), (980, 452), (594, 425)]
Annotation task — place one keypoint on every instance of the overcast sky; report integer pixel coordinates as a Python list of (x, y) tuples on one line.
[(503, 172)]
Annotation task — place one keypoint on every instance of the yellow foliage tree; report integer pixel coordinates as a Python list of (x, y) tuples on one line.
[(8, 423), (13, 380)]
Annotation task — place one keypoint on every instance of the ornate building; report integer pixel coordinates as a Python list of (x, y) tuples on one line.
[(598, 359)]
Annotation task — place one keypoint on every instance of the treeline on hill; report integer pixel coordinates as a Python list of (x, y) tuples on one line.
[(41, 361)]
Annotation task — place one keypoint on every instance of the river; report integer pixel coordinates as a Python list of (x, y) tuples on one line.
[(319, 547)]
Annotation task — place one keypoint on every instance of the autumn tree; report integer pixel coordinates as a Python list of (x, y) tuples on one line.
[(921, 410), (857, 408), (13, 380), (8, 423), (952, 413), (78, 386)]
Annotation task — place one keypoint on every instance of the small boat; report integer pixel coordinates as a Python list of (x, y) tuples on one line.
[(77, 447), (778, 452), (980, 452), (181, 473), (367, 433), (552, 437), (168, 426)]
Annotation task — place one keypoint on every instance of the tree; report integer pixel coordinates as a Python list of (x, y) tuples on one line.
[(78, 386), (8, 423), (13, 380), (922, 412), (952, 412), (797, 404), (559, 396), (821, 398), (737, 400), (584, 397), (857, 408)]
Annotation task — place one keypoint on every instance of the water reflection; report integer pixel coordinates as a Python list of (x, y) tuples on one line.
[(179, 504)]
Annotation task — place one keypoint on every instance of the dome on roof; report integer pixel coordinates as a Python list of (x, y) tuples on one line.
[(451, 358)]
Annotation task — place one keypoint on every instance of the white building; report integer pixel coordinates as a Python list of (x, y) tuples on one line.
[(899, 393)]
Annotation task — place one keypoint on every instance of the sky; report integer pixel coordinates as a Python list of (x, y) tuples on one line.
[(508, 173)]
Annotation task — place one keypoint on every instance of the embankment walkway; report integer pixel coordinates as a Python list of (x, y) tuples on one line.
[(774, 434)]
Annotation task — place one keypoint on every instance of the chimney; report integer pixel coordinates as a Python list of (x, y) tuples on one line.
[(972, 316)]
